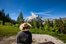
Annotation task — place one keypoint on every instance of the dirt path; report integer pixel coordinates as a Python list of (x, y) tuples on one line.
[(37, 38)]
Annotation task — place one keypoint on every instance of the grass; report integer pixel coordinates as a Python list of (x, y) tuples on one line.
[(8, 30), (12, 30)]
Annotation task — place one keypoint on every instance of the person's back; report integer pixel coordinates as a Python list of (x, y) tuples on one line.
[(24, 37)]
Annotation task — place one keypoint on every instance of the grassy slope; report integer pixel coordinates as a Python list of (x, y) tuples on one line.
[(8, 30)]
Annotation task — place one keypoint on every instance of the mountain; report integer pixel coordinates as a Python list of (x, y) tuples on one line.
[(33, 17)]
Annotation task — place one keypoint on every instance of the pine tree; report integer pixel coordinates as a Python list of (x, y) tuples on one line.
[(8, 19), (20, 18), (3, 16)]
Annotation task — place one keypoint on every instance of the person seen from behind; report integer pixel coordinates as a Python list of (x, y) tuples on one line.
[(24, 36)]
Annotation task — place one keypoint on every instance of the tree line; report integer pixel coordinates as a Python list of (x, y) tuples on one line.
[(55, 25), (5, 17)]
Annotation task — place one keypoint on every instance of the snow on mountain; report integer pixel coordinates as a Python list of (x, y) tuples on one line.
[(32, 17)]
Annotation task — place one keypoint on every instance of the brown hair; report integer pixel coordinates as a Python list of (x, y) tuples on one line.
[(26, 26)]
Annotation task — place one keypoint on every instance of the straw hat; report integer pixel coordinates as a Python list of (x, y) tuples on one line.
[(24, 25)]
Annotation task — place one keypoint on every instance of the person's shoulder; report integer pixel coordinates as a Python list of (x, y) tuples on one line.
[(30, 32), (20, 33)]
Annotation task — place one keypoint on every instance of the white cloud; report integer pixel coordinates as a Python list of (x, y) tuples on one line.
[(47, 13), (35, 14)]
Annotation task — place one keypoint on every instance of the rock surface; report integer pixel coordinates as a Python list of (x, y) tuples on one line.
[(37, 39)]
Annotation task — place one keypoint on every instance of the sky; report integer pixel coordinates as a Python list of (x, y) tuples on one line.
[(43, 8)]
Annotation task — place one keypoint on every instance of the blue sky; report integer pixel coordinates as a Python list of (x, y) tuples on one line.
[(44, 8)]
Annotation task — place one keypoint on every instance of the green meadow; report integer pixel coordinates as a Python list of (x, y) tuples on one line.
[(8, 30), (13, 30)]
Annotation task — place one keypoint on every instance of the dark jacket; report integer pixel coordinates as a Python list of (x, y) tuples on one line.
[(24, 37)]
